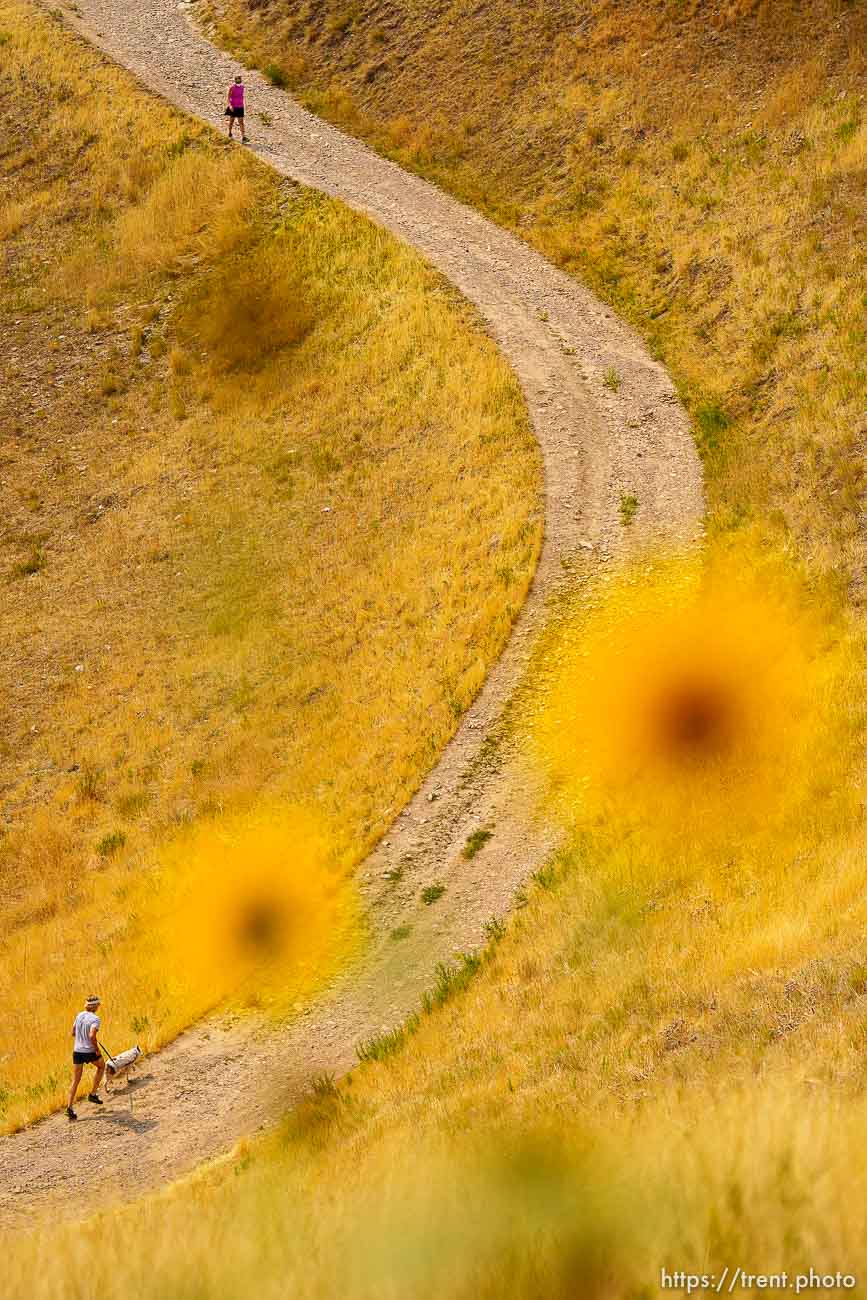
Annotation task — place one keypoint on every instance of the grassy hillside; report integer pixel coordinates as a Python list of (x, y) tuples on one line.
[(254, 454), (660, 1062), (702, 166)]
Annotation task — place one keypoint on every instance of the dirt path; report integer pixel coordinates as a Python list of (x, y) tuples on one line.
[(221, 1079)]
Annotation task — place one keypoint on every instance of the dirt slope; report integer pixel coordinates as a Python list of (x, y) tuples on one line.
[(223, 1079)]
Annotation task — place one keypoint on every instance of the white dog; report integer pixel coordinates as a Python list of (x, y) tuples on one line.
[(118, 1067)]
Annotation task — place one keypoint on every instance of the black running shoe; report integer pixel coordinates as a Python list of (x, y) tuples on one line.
[(70, 1114), (97, 1101)]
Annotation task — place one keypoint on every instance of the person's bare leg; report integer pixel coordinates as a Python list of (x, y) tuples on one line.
[(100, 1071), (76, 1080)]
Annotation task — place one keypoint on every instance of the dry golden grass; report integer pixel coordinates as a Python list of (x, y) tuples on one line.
[(661, 1062), (702, 166), (254, 454)]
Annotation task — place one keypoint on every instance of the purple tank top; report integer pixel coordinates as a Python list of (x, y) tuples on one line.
[(236, 96)]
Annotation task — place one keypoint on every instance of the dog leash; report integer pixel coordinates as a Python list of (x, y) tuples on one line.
[(105, 1049)]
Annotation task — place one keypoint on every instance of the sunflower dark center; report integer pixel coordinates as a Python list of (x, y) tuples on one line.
[(260, 925), (695, 721)]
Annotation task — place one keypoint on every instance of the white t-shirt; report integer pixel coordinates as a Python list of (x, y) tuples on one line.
[(81, 1027)]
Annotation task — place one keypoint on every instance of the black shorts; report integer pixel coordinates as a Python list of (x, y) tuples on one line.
[(236, 112), (85, 1058)]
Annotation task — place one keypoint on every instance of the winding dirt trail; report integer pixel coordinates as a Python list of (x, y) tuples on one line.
[(224, 1079)]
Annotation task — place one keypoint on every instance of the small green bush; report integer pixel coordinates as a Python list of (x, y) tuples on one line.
[(382, 1046), (276, 75), (711, 423), (451, 980), (628, 508), (476, 842), (34, 563), (111, 844)]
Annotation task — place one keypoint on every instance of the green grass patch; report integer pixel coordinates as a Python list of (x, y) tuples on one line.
[(476, 842)]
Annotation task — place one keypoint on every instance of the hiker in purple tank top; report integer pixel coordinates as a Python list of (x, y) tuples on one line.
[(235, 107)]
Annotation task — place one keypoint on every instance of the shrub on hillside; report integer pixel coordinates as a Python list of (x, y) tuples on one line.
[(248, 311)]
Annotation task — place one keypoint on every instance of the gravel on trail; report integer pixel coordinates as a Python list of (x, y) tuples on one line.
[(227, 1078)]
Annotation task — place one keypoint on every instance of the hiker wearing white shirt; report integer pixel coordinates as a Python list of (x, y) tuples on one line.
[(85, 1051)]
